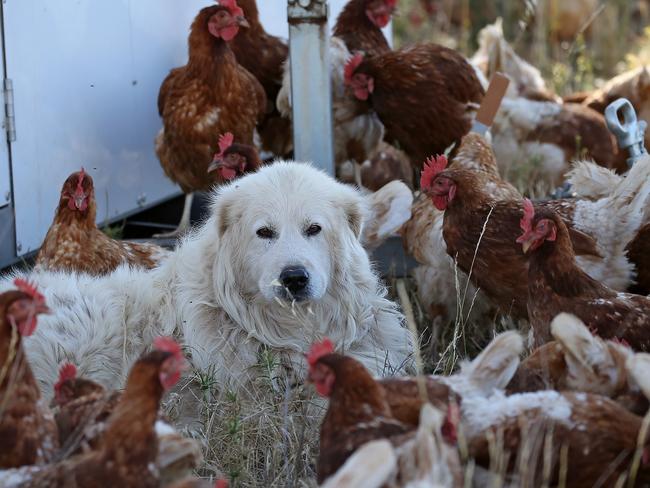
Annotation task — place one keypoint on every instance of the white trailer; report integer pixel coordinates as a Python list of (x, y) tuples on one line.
[(81, 79)]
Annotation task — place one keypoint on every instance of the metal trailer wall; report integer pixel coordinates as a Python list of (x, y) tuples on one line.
[(85, 77)]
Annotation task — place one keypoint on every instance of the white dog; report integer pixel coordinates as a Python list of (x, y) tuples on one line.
[(278, 264)]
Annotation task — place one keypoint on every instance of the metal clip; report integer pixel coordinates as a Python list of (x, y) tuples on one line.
[(631, 132)]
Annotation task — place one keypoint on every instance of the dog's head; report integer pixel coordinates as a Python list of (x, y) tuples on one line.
[(283, 229)]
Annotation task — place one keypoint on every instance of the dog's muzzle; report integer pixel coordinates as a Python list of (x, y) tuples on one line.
[(295, 281)]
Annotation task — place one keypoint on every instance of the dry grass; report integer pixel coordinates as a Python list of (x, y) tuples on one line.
[(267, 440), (599, 50)]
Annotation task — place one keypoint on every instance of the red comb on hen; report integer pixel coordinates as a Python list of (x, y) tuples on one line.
[(67, 371), (30, 289), (225, 141), (231, 5), (167, 344), (172, 368), (80, 179), (391, 3), (351, 66), (526, 222), (432, 167), (319, 349), (221, 484)]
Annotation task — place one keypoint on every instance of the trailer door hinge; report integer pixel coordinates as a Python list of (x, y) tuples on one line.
[(10, 117)]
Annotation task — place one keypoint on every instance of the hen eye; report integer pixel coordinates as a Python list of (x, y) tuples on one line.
[(265, 233), (313, 229)]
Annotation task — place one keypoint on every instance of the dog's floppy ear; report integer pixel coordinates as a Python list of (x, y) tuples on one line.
[(354, 212), (225, 210)]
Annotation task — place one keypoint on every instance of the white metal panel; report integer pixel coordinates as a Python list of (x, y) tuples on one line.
[(86, 76)]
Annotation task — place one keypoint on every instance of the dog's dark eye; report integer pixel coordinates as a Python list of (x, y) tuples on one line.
[(265, 233), (313, 229)]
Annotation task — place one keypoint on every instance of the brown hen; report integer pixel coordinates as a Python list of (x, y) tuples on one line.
[(358, 410), (193, 105), (556, 284), (83, 407), (75, 244), (360, 22), (82, 416), (579, 361), (425, 96), (27, 429)]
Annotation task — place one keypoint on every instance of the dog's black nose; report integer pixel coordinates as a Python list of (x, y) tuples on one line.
[(294, 279)]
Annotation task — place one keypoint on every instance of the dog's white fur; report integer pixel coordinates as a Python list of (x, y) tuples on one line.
[(217, 292)]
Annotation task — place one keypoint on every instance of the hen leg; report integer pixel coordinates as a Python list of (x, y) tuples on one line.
[(184, 224), (357, 174)]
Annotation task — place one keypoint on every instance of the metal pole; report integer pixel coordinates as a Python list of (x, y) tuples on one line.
[(311, 90)]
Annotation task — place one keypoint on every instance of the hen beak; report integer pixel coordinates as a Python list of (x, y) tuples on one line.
[(79, 201), (215, 164), (242, 21), (527, 244)]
